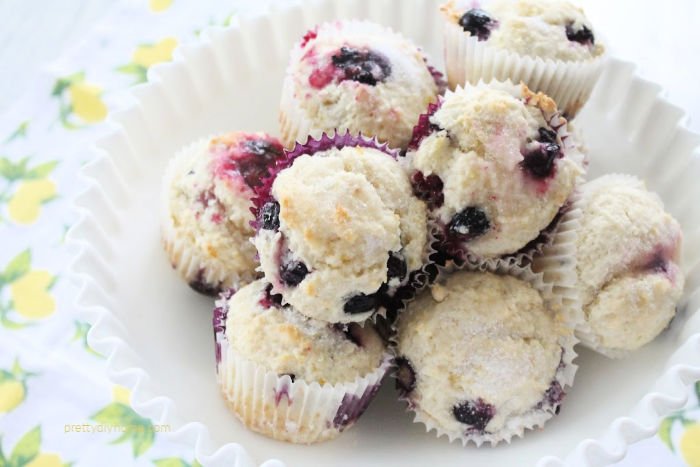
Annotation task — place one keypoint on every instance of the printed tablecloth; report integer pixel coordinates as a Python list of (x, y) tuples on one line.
[(57, 406)]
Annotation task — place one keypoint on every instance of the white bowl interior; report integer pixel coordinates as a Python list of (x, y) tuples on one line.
[(233, 82)]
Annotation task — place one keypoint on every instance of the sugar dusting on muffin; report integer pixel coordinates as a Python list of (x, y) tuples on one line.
[(493, 168), (628, 264)]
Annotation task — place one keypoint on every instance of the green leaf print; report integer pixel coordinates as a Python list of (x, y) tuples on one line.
[(143, 439), (140, 72), (81, 332), (175, 462), (27, 448), (138, 430), (115, 413), (17, 267), (20, 132), (63, 83), (41, 170), (665, 432), (12, 171)]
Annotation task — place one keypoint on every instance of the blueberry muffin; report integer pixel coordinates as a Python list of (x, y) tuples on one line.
[(357, 76), (548, 44), (482, 358), (290, 377), (629, 277), (339, 230), (207, 192), (495, 166)]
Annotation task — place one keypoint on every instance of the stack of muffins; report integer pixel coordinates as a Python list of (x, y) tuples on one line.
[(448, 234)]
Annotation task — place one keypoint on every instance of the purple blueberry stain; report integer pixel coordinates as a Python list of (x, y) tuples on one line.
[(405, 376), (282, 393), (583, 35), (352, 407), (219, 316), (270, 300), (259, 156), (364, 66), (270, 216), (293, 272), (424, 127), (428, 189), (199, 284), (553, 397), (476, 414), (658, 264), (478, 23), (470, 223)]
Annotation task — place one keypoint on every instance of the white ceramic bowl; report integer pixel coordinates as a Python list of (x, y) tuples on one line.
[(158, 332)]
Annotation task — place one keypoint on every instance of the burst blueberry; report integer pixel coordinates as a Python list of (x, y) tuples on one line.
[(539, 162), (361, 303), (470, 223), (428, 189), (477, 414), (293, 272), (477, 23), (583, 36), (364, 66)]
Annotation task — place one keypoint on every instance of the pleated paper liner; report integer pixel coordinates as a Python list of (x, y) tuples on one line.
[(469, 60), (284, 409), (295, 124), (196, 268), (560, 306)]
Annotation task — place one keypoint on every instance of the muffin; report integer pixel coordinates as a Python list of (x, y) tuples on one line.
[(339, 232), (357, 76), (495, 166), (207, 191), (548, 44), (483, 358), (290, 377), (628, 253)]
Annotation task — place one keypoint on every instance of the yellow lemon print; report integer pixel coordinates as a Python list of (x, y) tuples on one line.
[(121, 394), (46, 460), (86, 102), (11, 395), (25, 205), (159, 5), (690, 445), (162, 51), (30, 295)]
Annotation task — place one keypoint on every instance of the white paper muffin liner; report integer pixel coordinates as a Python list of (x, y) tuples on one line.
[(469, 60), (461, 258), (560, 300), (295, 124), (195, 268), (584, 332), (294, 411)]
